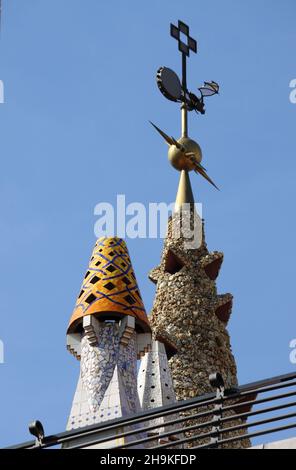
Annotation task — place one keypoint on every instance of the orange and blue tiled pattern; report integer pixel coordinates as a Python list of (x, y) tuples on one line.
[(110, 284)]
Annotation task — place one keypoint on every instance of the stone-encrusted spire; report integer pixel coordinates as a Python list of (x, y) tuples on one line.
[(188, 310)]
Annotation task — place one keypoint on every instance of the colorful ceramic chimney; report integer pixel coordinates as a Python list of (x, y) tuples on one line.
[(108, 332)]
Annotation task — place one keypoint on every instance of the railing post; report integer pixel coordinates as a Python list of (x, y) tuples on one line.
[(36, 429), (216, 380)]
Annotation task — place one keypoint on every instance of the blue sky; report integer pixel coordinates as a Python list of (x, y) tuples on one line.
[(79, 79)]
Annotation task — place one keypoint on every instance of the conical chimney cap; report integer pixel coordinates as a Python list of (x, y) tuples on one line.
[(110, 288)]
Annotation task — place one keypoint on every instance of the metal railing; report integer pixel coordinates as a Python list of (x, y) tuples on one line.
[(224, 418)]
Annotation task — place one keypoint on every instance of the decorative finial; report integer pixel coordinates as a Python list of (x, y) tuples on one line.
[(184, 153)]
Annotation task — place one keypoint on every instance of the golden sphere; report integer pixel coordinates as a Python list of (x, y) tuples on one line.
[(177, 156)]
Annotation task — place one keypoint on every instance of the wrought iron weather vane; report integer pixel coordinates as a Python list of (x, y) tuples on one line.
[(184, 153), (185, 50)]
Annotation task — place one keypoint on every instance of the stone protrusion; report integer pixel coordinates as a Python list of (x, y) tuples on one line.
[(223, 307), (126, 329), (173, 263), (143, 344), (154, 274), (91, 328), (212, 264), (74, 344)]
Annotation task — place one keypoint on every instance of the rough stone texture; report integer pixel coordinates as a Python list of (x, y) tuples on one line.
[(188, 310)]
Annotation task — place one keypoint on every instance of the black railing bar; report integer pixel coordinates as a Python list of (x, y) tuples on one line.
[(117, 423), (150, 428), (186, 418), (229, 396), (261, 400), (225, 430), (181, 430), (249, 435), (169, 433), (258, 423), (261, 411), (23, 445), (166, 434), (193, 427), (270, 381), (210, 423), (48, 441), (232, 394), (156, 426), (142, 416), (54, 440), (161, 414)]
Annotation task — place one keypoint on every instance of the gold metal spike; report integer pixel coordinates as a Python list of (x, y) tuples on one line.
[(176, 143), (184, 194), (202, 172), (169, 140), (192, 155)]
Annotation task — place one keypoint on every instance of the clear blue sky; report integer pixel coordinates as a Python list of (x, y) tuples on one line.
[(79, 80)]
